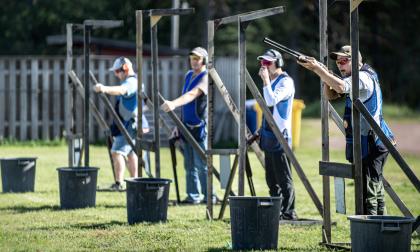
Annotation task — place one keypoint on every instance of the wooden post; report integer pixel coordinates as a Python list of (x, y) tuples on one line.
[(69, 121), (323, 58), (139, 59), (242, 109), (155, 87), (210, 108), (86, 33), (357, 150)]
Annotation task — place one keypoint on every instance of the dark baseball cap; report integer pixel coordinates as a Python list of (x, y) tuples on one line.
[(344, 51), (270, 55)]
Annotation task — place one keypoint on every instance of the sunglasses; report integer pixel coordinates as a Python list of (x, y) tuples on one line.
[(266, 62), (195, 57), (342, 61)]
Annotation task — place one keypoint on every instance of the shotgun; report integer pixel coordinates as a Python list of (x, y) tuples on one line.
[(299, 56)]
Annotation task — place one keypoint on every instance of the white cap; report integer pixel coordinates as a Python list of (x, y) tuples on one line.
[(199, 51), (119, 62)]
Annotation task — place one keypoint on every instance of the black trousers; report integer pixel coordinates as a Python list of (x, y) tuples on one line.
[(278, 175)]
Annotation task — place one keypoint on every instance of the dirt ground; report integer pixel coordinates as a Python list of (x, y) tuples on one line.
[(407, 135)]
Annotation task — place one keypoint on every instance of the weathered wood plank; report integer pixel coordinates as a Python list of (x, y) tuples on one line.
[(334, 169), (357, 146), (2, 100), (56, 86), (45, 99), (78, 104), (323, 57), (13, 97), (23, 100), (34, 99)]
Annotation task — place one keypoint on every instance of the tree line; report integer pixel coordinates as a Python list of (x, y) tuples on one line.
[(388, 33)]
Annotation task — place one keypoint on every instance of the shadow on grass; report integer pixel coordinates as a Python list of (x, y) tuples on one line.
[(111, 206), (98, 225), (26, 209), (83, 226), (279, 248)]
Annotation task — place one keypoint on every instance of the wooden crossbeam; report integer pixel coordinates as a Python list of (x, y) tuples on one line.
[(334, 169), (248, 16)]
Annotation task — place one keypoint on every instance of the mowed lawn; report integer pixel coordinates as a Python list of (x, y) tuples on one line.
[(35, 222)]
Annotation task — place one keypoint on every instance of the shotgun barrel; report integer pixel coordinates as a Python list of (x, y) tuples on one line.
[(299, 56)]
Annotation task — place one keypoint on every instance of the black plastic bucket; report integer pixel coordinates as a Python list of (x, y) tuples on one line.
[(18, 174), (380, 233), (254, 222), (77, 186), (147, 199)]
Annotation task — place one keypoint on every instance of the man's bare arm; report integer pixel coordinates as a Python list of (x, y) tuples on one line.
[(182, 100)]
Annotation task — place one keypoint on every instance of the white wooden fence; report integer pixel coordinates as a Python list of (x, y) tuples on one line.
[(34, 100)]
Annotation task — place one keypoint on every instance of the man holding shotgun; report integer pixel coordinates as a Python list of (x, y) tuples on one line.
[(374, 152), (126, 108)]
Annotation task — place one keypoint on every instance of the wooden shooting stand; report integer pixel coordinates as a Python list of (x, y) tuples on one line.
[(350, 171), (75, 143), (245, 80)]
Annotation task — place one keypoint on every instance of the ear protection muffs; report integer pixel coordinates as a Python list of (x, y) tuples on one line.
[(277, 55), (205, 60), (124, 66)]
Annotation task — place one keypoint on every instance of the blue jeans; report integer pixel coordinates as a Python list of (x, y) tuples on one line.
[(121, 146), (195, 171)]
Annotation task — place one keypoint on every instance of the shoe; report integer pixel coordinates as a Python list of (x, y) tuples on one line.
[(188, 201), (117, 188), (214, 200), (287, 216)]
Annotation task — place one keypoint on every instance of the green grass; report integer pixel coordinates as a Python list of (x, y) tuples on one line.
[(35, 222)]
